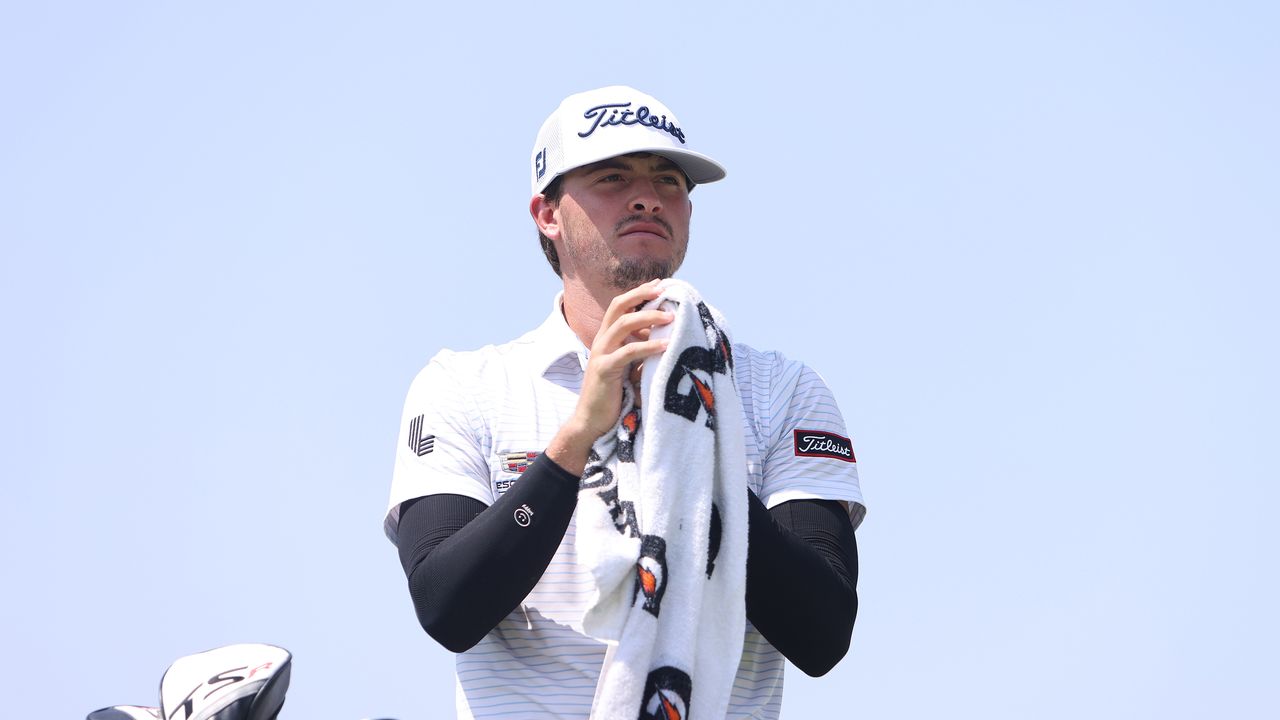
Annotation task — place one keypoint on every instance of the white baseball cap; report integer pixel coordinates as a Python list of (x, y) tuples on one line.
[(599, 124)]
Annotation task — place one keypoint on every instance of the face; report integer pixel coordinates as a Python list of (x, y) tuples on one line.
[(622, 221)]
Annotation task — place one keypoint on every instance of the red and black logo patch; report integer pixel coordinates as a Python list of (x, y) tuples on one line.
[(816, 443), (666, 694)]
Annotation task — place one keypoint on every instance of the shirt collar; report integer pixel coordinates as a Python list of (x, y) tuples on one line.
[(554, 340)]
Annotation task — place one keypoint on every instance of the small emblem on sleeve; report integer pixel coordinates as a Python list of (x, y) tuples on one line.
[(419, 443), (816, 443), (524, 515)]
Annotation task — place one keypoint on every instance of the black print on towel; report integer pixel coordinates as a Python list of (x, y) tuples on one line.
[(596, 474), (693, 363), (713, 542), (651, 573), (622, 512), (666, 696)]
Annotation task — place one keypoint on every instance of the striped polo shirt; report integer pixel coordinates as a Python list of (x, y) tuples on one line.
[(473, 421)]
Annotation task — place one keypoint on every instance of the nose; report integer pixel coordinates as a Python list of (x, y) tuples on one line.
[(646, 199)]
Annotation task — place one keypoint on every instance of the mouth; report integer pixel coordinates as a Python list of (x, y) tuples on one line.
[(646, 228)]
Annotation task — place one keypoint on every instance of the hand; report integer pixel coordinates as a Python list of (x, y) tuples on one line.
[(616, 353)]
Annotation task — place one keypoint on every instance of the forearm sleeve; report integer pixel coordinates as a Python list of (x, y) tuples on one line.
[(802, 577), (469, 565)]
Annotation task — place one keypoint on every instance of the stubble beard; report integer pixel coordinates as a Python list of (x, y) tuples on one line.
[(624, 273)]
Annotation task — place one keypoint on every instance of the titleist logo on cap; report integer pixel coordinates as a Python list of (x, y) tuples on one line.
[(618, 114)]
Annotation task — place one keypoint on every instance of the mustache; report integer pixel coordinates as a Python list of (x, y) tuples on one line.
[(640, 217)]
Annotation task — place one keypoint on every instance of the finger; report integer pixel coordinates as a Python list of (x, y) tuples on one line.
[(613, 336), (637, 351), (616, 365)]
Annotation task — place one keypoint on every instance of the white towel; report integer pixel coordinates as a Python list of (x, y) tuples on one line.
[(662, 524)]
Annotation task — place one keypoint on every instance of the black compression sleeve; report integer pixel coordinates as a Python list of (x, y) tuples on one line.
[(469, 566), (802, 578)]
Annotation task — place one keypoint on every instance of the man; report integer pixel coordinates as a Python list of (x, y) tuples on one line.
[(494, 441)]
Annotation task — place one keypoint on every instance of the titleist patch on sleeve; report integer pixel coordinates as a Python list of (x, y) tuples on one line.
[(816, 443)]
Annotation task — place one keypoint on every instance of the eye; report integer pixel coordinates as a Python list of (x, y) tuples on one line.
[(673, 182), (611, 178)]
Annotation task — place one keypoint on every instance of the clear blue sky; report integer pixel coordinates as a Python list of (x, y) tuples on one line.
[(1031, 246)]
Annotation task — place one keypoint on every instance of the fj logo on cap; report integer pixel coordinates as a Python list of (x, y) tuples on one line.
[(540, 163), (618, 114), (815, 443)]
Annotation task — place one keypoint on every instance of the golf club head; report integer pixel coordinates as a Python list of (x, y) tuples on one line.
[(125, 712), (235, 682)]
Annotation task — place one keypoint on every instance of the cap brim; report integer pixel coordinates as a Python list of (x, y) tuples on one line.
[(700, 168)]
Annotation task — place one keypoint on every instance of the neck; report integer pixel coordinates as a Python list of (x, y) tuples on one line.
[(584, 308)]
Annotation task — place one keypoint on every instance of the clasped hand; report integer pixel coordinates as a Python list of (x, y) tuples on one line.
[(619, 349)]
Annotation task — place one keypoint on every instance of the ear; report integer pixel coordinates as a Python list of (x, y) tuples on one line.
[(544, 216)]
